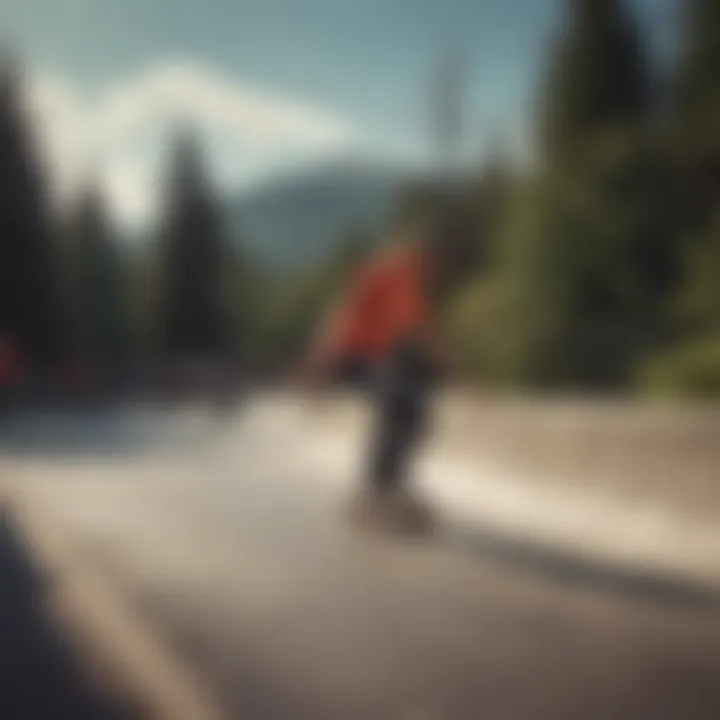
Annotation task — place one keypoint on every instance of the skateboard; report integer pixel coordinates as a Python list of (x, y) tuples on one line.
[(392, 512)]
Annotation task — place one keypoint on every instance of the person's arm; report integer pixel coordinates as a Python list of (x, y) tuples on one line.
[(317, 363)]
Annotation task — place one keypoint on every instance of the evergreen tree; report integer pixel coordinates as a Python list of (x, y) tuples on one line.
[(192, 258), (586, 263), (699, 75), (98, 310), (28, 282), (489, 191), (690, 361), (698, 111), (598, 79)]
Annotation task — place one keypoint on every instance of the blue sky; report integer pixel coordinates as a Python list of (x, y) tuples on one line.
[(358, 69)]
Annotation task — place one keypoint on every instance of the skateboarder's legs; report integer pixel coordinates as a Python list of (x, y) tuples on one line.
[(402, 398), (400, 391)]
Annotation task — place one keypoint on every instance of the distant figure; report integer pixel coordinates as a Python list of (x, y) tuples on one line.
[(383, 337)]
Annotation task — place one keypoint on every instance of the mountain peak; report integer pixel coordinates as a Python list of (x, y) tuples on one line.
[(298, 219)]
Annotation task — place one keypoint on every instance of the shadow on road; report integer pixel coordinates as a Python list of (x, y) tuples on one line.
[(40, 676), (575, 569)]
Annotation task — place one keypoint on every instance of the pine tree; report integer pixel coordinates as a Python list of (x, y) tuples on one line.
[(592, 263), (699, 76), (489, 190), (689, 363), (28, 280), (598, 79), (100, 323), (192, 255), (698, 110)]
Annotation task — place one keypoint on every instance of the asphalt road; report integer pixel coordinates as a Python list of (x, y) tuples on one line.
[(232, 545)]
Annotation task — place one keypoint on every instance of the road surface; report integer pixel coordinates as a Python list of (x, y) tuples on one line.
[(231, 543)]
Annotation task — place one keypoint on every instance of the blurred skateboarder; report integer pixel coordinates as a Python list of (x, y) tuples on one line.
[(383, 337)]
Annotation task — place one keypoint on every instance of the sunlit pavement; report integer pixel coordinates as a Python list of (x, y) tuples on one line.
[(227, 540)]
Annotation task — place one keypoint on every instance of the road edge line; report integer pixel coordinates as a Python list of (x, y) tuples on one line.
[(116, 648)]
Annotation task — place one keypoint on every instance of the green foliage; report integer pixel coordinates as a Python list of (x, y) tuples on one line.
[(689, 363), (695, 138), (689, 369), (488, 194), (586, 257), (293, 306), (598, 77), (574, 296), (477, 318), (242, 288), (698, 91), (697, 309)]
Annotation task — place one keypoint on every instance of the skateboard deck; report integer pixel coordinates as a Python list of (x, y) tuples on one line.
[(392, 512)]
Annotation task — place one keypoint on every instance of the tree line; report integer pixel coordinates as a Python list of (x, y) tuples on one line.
[(604, 269), (72, 297), (595, 266)]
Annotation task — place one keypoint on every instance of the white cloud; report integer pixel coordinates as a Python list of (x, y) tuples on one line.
[(119, 134)]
